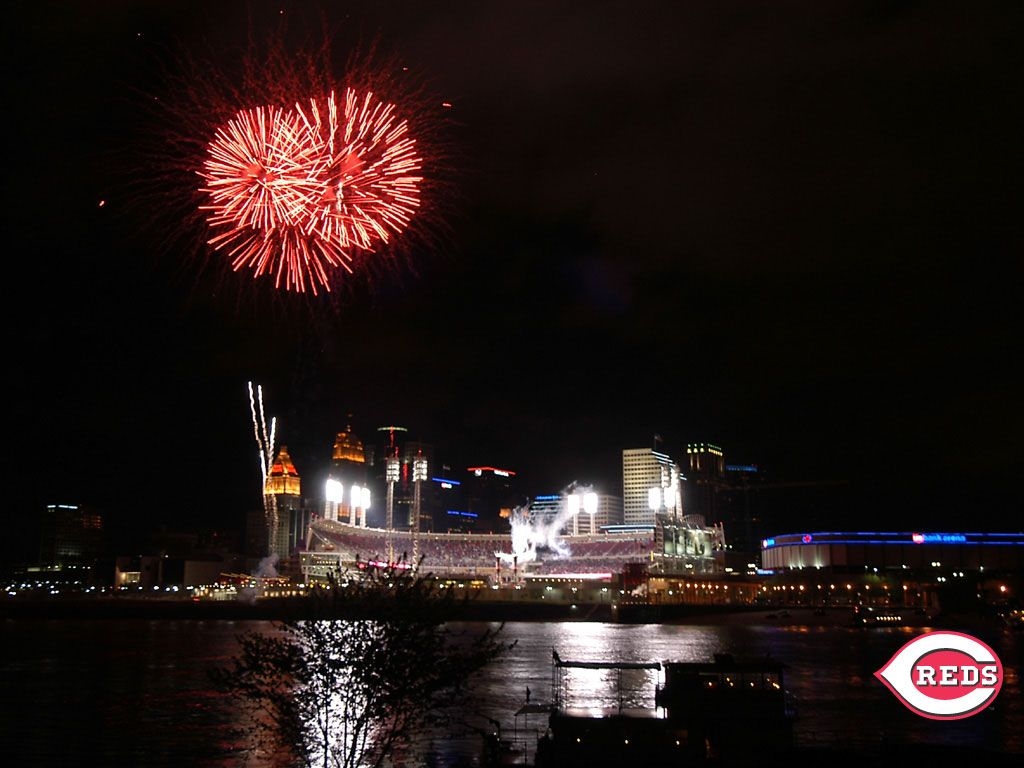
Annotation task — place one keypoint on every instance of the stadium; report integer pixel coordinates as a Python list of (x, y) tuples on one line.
[(529, 551)]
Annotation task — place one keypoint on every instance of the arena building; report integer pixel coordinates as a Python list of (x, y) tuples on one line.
[(909, 551)]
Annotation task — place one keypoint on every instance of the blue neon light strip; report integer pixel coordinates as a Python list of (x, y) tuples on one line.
[(445, 480), (741, 468), (889, 538)]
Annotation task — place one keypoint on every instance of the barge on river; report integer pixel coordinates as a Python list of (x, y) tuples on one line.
[(722, 712)]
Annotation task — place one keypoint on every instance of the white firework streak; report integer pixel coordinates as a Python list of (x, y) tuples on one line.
[(265, 445)]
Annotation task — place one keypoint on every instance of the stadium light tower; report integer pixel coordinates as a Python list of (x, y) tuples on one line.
[(392, 465), (654, 500), (335, 494), (419, 475), (353, 497), (364, 503), (359, 502), (673, 494), (588, 502), (590, 507), (392, 471)]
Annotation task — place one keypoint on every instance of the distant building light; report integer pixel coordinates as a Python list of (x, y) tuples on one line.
[(445, 482), (500, 472), (741, 468), (944, 538)]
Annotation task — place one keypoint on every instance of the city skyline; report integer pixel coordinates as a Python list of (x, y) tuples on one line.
[(790, 232)]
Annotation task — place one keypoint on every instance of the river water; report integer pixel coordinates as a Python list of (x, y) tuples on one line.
[(137, 692)]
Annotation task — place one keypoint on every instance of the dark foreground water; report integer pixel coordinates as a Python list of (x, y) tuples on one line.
[(136, 692)]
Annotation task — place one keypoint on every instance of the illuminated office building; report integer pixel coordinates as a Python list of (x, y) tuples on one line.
[(643, 471), (347, 495), (285, 488), (71, 535), (491, 494), (705, 480)]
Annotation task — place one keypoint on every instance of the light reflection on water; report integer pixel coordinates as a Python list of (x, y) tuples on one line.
[(137, 692)]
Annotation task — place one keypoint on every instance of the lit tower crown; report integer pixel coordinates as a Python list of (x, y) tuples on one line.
[(283, 478), (348, 447)]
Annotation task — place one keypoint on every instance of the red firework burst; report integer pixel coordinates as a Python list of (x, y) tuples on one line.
[(296, 192)]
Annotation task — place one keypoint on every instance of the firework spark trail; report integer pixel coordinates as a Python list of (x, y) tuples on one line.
[(298, 193), (265, 445)]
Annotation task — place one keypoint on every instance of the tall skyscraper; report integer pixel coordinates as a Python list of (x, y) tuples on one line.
[(285, 487), (492, 495), (705, 480), (574, 515), (348, 497), (445, 501), (71, 535), (609, 511), (644, 472)]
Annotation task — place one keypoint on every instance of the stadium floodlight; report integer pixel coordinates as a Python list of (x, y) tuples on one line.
[(654, 499), (419, 469), (590, 507), (355, 497), (334, 491), (574, 504)]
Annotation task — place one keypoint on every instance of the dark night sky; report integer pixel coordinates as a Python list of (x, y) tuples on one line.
[(789, 228)]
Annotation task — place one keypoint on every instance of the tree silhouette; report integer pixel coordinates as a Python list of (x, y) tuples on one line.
[(372, 661)]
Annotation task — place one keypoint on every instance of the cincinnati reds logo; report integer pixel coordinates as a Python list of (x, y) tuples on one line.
[(944, 675)]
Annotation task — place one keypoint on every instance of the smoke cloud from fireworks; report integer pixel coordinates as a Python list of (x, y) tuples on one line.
[(530, 535)]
